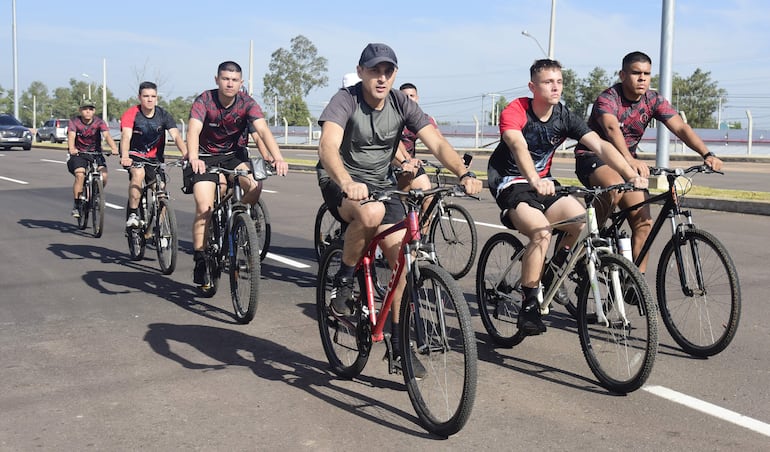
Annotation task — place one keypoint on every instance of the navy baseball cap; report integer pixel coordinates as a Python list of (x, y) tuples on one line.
[(376, 53)]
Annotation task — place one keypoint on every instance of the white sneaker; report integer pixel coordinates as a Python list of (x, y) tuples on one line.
[(133, 221)]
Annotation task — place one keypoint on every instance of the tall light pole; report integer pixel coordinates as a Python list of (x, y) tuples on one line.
[(89, 84), (15, 65), (551, 33)]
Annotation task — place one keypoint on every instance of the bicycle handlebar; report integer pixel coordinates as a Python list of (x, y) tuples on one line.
[(594, 191), (702, 168), (377, 196)]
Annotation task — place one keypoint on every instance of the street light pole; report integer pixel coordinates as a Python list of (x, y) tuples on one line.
[(553, 30), (526, 33), (89, 84)]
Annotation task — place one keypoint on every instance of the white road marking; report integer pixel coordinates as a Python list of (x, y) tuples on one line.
[(113, 206), (286, 260), (14, 180), (268, 191), (51, 161), (490, 225), (710, 409)]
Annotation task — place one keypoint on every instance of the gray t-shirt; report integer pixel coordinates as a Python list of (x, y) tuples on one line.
[(371, 136)]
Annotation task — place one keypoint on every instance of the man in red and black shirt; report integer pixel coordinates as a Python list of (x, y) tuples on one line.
[(84, 134), (143, 139), (218, 119), (520, 178)]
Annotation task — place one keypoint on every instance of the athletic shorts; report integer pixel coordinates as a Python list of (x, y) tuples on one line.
[(83, 161), (228, 161), (585, 165), (332, 195), (149, 170)]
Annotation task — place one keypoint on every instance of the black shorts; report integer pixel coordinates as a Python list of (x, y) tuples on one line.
[(585, 165), (228, 161), (149, 170), (514, 194), (83, 161), (332, 194)]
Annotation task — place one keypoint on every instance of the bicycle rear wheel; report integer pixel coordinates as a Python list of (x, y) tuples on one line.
[(436, 330), (326, 230), (453, 234), (135, 237), (244, 267), (498, 288), (166, 239), (84, 207), (97, 206), (701, 307), (620, 354), (261, 217), (213, 257), (346, 340)]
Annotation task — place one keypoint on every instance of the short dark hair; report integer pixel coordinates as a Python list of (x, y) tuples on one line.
[(147, 85), (635, 57), (231, 66), (407, 85), (545, 63)]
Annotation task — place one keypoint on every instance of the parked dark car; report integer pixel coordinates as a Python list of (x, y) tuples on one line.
[(53, 130), (14, 134)]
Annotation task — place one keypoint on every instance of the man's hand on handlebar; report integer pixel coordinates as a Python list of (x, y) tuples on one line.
[(355, 191), (471, 185)]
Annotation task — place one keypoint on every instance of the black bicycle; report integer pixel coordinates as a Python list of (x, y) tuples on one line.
[(157, 219), (92, 197), (697, 285), (261, 217), (232, 245)]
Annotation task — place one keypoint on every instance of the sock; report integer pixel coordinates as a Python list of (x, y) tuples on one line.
[(198, 255), (530, 296), (346, 271), (76, 203), (395, 341), (133, 210)]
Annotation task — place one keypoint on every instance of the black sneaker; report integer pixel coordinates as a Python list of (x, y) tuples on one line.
[(529, 321), (199, 273), (342, 295), (419, 370)]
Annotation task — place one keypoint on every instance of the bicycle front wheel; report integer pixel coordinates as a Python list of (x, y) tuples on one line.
[(84, 208), (346, 340), (699, 297), (622, 350), (261, 218), (97, 206), (436, 330), (453, 234), (166, 240), (244, 267), (498, 288), (326, 230)]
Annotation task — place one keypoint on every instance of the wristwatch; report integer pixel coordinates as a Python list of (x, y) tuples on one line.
[(468, 174), (708, 154)]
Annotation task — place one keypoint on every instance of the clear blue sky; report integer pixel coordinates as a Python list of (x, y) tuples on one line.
[(453, 51)]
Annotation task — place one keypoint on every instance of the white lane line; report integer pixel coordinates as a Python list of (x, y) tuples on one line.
[(113, 206), (710, 409), (287, 261), (14, 180), (490, 225), (51, 161), (268, 191)]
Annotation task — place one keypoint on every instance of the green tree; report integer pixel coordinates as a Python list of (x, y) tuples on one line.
[(697, 96), (589, 89), (494, 116), (38, 92), (6, 100), (291, 75), (571, 84)]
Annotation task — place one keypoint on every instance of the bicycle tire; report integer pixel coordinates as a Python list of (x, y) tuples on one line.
[(135, 237), (261, 217), (441, 336), (166, 237), (97, 206), (244, 267), (498, 290), (705, 321), (326, 229), (83, 207), (453, 234), (621, 357), (346, 340)]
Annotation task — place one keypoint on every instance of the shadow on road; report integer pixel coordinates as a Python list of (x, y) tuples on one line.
[(64, 228), (277, 363)]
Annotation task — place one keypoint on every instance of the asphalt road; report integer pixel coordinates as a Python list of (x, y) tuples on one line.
[(99, 352)]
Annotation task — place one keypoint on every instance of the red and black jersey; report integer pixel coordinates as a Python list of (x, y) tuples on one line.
[(223, 128), (409, 138), (88, 137), (148, 134)]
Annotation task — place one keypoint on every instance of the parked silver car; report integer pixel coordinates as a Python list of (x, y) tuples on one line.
[(53, 130), (14, 134)]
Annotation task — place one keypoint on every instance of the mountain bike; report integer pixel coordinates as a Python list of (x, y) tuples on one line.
[(92, 197), (435, 324), (232, 245), (617, 318), (699, 294), (157, 219), (451, 230)]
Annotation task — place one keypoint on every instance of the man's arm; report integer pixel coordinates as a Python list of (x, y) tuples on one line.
[(612, 157), (280, 165), (110, 141), (614, 133), (177, 136), (446, 154), (329, 155), (685, 133), (125, 145), (519, 147), (71, 142), (194, 127)]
